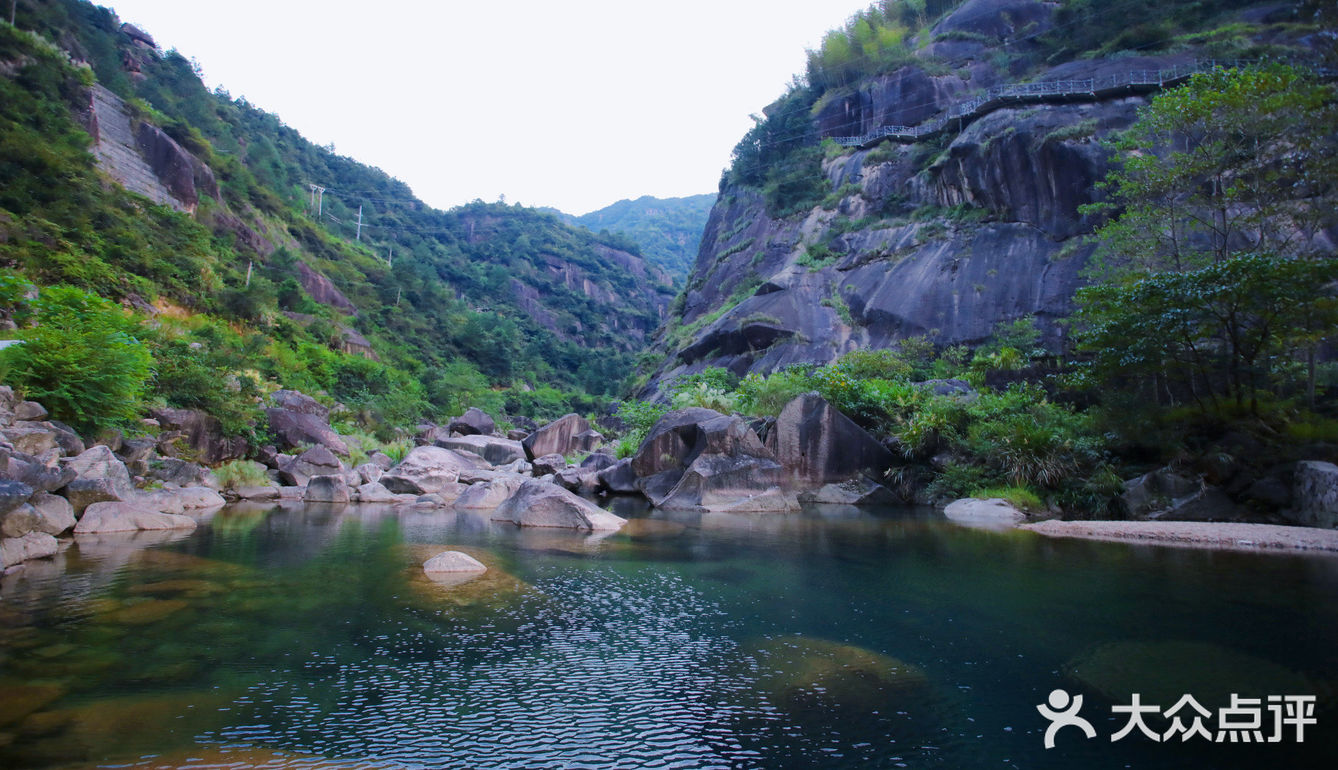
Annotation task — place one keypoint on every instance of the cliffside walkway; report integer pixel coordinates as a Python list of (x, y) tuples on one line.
[(1011, 94)]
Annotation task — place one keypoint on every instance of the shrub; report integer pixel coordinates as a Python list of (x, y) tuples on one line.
[(1021, 498), (766, 396), (83, 361), (241, 473)]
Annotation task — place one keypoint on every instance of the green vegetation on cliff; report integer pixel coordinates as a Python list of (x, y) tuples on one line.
[(493, 305)]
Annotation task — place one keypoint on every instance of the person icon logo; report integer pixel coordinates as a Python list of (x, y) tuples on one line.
[(1063, 712)]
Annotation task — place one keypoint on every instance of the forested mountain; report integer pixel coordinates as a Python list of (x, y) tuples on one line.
[(668, 230), (224, 242)]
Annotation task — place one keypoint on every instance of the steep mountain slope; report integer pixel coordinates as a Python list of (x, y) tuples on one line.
[(669, 230), (506, 294), (907, 188)]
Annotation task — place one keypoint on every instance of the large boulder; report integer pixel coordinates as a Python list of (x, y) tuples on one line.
[(1156, 491), (317, 461), (36, 474), (198, 436), (496, 451), (1315, 494), (618, 478), (489, 494), (857, 491), (297, 429), (19, 521), (984, 514), (13, 494), (374, 492), (299, 402), (539, 503), (100, 477), (566, 435), (817, 444), (427, 470), (55, 513), (327, 489), (474, 421), (127, 517), (551, 463), (33, 438), (174, 470), (34, 545), (699, 459)]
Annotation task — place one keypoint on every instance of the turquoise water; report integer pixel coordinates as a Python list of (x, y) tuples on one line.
[(836, 638)]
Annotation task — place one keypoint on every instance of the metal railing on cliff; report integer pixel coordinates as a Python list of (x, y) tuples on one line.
[(1088, 89)]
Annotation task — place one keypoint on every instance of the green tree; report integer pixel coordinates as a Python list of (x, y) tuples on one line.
[(1235, 161), (83, 360)]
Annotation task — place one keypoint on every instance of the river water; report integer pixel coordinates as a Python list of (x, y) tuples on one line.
[(309, 637)]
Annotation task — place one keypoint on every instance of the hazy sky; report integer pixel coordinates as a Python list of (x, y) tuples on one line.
[(569, 104)]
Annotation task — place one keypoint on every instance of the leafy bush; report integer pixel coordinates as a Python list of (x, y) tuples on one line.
[(766, 396), (83, 361), (1021, 498)]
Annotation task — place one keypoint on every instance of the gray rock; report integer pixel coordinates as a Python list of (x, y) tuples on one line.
[(598, 461), (1157, 491), (453, 561), (298, 402), (26, 469), (858, 491), (200, 435), (540, 504), (698, 459), (173, 470), (1207, 504), (577, 479), (985, 514), (1316, 494), (297, 429), (101, 464), (317, 461), (430, 500), (13, 494), (373, 492), (491, 494), (517, 434), (618, 478), (19, 521), (474, 421), (816, 444), (425, 470), (33, 438), (85, 492), (30, 411), (381, 460), (255, 493), (550, 463), (34, 545), (127, 517), (327, 489), (369, 473), (495, 451), (137, 453), (566, 435), (56, 513), (519, 466)]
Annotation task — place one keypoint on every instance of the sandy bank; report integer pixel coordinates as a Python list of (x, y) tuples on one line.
[(1247, 537)]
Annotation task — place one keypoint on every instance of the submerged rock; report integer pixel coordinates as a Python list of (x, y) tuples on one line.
[(453, 561), (800, 673), (1163, 671)]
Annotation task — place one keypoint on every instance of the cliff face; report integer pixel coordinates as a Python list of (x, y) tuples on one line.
[(945, 236)]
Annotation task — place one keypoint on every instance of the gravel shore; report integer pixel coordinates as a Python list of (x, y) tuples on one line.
[(1241, 537)]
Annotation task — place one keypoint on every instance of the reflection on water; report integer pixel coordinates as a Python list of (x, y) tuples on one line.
[(310, 637)]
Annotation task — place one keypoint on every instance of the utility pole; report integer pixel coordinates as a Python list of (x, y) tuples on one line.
[(249, 265), (317, 203), (398, 292), (390, 260), (13, 13), (359, 235)]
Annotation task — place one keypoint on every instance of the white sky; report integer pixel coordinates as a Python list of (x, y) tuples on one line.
[(570, 104)]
